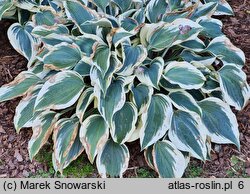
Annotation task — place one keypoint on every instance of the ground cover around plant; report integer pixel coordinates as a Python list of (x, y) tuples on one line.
[(226, 161)]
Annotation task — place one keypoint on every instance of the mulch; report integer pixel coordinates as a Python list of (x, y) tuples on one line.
[(237, 28), (14, 159)]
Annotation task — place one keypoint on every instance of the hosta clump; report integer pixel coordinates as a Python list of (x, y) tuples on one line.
[(102, 73)]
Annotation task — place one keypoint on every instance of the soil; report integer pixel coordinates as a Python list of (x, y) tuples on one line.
[(14, 159)]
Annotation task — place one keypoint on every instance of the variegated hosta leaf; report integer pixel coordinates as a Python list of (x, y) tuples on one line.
[(41, 54), (84, 101), (148, 155), (42, 129), (184, 74), (113, 101), (156, 121), (170, 17), (66, 133), (195, 45), (23, 15), (169, 162), (132, 56), (151, 75), (114, 46), (123, 5), (220, 121), (139, 16), (175, 4), (168, 86), (198, 95), (223, 7), (101, 57), (136, 134), (10, 12), (25, 110), (21, 84), (101, 23), (206, 9), (86, 43), (129, 24), (38, 69), (128, 82), (210, 85), (113, 159), (212, 28), (75, 151), (188, 134), (54, 39), (30, 5), (101, 4), (94, 134), (156, 6), (191, 57), (66, 142), (44, 18), (104, 82), (43, 31), (119, 35), (162, 35), (56, 4), (60, 91), (141, 96), (184, 101), (83, 68), (123, 123), (5, 5), (223, 49), (234, 86), (80, 14), (62, 56), (22, 41)]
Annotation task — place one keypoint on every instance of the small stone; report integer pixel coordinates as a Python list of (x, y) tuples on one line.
[(3, 175), (14, 173), (18, 156), (248, 171), (11, 165), (2, 130), (25, 173), (21, 167), (217, 148), (11, 138)]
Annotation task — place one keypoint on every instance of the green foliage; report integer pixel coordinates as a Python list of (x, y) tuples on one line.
[(145, 173), (193, 172), (238, 168), (104, 73), (79, 168)]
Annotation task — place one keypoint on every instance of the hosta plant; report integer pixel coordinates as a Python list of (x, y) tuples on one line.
[(102, 73)]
